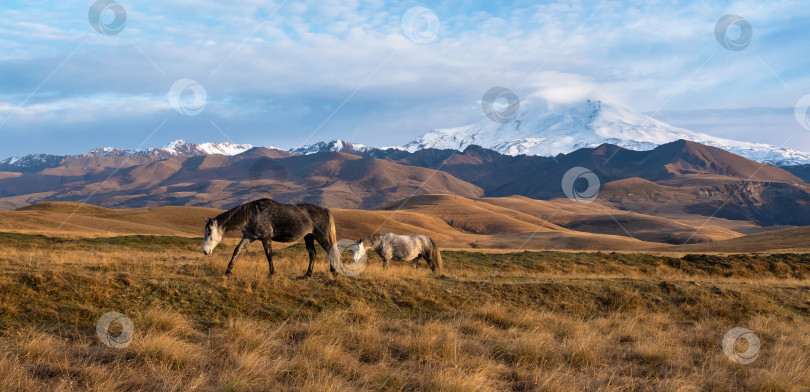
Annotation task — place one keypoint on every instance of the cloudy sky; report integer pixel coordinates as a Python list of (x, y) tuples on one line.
[(291, 72)]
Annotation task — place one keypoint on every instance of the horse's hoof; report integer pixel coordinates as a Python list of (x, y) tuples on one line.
[(304, 276), (228, 274)]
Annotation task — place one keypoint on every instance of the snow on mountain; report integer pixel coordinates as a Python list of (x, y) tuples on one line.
[(175, 149), (225, 148), (183, 148), (106, 152), (547, 128), (336, 145), (30, 162)]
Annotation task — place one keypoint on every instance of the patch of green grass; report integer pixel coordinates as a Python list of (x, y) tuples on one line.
[(17, 239), (144, 242), (796, 266)]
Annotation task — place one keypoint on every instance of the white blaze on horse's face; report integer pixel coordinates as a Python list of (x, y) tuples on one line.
[(359, 251), (213, 235)]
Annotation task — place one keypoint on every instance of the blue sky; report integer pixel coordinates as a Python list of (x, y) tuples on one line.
[(290, 72)]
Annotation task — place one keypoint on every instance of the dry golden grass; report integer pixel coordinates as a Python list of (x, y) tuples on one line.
[(492, 322)]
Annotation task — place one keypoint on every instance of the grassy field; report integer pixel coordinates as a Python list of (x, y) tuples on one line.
[(492, 322)]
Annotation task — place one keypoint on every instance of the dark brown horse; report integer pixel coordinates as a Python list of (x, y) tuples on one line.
[(267, 220)]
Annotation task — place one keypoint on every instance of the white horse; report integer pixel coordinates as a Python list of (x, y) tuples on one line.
[(392, 246)]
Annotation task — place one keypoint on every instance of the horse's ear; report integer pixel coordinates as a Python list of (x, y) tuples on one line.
[(207, 220)]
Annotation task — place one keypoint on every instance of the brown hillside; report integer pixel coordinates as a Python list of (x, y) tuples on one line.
[(474, 217), (776, 241), (335, 180), (82, 220), (603, 219)]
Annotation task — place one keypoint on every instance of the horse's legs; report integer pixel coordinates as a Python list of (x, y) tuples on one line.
[(384, 259), (431, 263), (268, 251), (325, 244), (415, 261), (386, 256), (242, 244), (309, 241)]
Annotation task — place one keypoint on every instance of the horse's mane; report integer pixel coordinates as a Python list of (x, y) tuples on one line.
[(372, 240), (235, 217)]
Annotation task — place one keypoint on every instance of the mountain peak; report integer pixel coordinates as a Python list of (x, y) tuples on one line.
[(182, 148), (549, 127), (175, 144), (336, 145)]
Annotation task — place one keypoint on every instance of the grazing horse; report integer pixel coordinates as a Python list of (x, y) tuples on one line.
[(392, 246), (268, 220)]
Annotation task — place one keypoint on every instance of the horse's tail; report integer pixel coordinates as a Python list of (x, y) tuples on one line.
[(334, 251), (435, 256)]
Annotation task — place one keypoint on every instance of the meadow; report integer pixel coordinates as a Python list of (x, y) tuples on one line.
[(523, 321)]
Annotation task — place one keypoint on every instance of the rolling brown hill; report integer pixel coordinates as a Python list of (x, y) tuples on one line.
[(68, 219), (331, 179), (792, 240), (763, 203), (601, 218)]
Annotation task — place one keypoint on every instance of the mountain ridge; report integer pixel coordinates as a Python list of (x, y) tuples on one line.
[(681, 178), (177, 148)]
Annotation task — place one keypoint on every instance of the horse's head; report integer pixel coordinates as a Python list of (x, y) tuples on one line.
[(213, 235), (358, 251)]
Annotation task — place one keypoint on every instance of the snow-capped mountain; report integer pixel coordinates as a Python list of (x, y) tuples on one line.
[(549, 128), (175, 149), (30, 162), (183, 148), (336, 145)]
